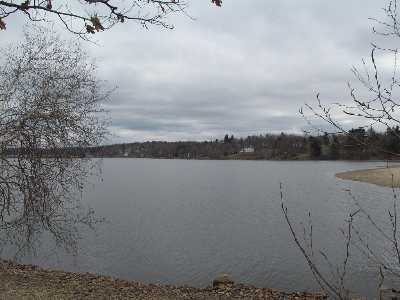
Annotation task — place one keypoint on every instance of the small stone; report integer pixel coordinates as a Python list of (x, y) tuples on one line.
[(223, 281)]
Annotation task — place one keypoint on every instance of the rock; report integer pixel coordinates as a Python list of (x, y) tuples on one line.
[(388, 294), (223, 281)]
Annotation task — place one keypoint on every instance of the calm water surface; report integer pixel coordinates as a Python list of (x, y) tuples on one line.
[(182, 222)]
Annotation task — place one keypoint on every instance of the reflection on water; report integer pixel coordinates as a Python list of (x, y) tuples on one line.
[(40, 202), (182, 222)]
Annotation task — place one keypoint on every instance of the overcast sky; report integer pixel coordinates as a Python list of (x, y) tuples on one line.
[(242, 69)]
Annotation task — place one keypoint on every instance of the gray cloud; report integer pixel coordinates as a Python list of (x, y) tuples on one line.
[(245, 68)]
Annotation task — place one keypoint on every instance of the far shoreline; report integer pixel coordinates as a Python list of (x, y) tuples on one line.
[(251, 159)]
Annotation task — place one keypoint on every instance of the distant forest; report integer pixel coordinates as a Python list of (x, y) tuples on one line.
[(357, 144)]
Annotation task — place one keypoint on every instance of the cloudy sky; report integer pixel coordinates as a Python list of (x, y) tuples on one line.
[(242, 69)]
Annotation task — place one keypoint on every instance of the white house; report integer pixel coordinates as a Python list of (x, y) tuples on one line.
[(249, 149)]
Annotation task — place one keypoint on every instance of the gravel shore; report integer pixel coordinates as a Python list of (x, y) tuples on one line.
[(389, 177), (31, 282)]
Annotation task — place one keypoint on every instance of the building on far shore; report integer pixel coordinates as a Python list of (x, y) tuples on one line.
[(249, 149)]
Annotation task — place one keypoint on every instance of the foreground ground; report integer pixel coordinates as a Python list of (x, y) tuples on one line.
[(30, 282), (389, 177)]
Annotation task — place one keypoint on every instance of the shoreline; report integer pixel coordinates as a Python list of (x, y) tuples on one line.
[(248, 159), (32, 282), (382, 176)]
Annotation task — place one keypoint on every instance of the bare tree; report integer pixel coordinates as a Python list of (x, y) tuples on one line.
[(374, 99), (89, 16), (330, 276), (50, 109), (374, 103)]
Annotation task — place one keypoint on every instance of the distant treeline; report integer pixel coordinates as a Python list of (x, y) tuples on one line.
[(357, 144)]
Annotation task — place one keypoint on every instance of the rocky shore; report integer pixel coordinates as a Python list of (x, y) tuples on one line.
[(31, 282)]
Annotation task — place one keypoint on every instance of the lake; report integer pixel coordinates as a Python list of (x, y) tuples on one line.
[(183, 221)]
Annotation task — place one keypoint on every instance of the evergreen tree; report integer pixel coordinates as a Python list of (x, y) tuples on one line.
[(334, 148), (314, 147)]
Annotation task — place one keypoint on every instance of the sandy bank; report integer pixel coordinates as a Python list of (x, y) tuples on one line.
[(381, 176), (30, 282)]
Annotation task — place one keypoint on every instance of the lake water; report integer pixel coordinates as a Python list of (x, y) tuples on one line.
[(182, 222)]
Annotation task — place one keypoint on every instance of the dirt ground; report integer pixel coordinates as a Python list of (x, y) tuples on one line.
[(389, 177)]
